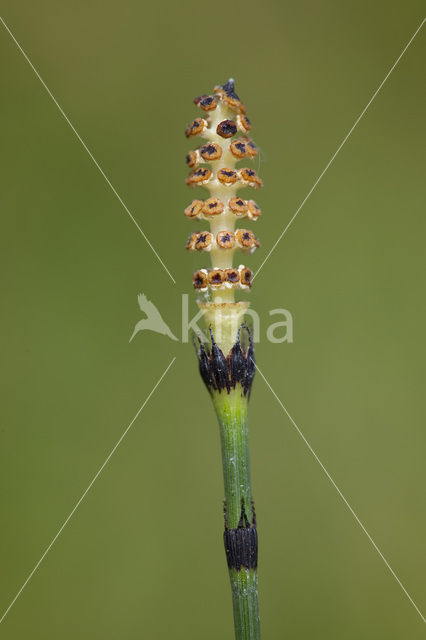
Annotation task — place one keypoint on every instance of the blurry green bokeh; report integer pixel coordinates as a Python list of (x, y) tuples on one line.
[(142, 557)]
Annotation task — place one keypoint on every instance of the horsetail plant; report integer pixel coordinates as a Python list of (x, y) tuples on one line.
[(227, 365)]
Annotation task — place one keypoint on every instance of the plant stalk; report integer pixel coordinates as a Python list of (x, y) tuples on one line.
[(227, 367), (240, 520)]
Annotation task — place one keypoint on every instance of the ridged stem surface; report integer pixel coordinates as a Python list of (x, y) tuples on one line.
[(245, 604), (231, 409)]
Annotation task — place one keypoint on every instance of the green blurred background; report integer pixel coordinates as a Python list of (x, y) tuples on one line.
[(142, 557)]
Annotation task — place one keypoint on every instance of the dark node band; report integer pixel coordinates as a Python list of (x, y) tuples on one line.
[(219, 372), (241, 544), (241, 548)]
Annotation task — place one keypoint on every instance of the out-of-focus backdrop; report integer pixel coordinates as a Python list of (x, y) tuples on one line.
[(142, 556)]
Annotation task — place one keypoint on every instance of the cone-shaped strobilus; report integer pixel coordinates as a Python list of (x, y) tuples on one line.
[(227, 363)]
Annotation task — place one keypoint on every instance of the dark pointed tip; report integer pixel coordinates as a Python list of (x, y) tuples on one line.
[(194, 338), (253, 524), (204, 364), (229, 89), (225, 515), (219, 367)]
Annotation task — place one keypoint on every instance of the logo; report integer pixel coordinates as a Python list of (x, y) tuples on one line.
[(276, 332), (153, 320)]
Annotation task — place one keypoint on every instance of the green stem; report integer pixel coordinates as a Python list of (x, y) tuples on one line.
[(231, 409), (245, 603)]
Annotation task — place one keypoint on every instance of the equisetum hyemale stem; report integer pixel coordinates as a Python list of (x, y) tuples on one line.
[(227, 363)]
